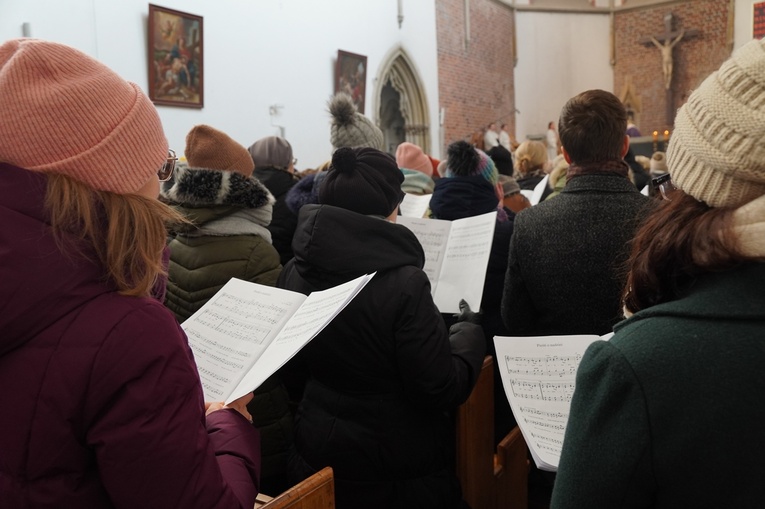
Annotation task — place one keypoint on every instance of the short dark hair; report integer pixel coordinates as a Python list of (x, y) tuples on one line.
[(592, 126)]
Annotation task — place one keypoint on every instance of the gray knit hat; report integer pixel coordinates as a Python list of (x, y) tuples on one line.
[(349, 127), (717, 152), (271, 151)]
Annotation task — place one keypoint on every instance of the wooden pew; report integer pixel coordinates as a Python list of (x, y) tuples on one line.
[(490, 479), (316, 492)]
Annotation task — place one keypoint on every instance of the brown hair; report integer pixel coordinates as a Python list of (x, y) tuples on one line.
[(476, 139), (592, 127), (127, 232), (681, 239)]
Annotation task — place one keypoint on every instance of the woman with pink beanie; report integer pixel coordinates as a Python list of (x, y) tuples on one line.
[(103, 403)]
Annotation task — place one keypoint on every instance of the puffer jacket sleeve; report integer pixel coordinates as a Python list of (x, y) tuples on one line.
[(439, 373), (145, 421), (263, 265)]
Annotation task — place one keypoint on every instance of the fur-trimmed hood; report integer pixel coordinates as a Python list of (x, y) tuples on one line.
[(202, 187)]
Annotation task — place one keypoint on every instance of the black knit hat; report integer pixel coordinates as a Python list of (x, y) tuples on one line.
[(364, 180)]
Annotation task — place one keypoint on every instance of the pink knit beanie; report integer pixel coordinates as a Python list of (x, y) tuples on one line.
[(411, 157), (65, 112)]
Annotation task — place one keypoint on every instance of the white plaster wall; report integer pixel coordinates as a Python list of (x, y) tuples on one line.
[(559, 56), (256, 53), (744, 17)]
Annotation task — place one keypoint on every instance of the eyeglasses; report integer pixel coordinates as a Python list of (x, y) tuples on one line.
[(294, 161), (166, 171), (663, 185)]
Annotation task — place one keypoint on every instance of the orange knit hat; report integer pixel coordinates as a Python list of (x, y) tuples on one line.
[(65, 112), (207, 147)]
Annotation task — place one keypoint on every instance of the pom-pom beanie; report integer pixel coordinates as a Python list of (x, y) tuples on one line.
[(464, 160), (349, 127), (363, 180)]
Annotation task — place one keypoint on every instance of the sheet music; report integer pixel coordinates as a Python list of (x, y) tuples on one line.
[(463, 271), (306, 323), (433, 235), (247, 331), (414, 205), (539, 375), (232, 330), (456, 257), (539, 189)]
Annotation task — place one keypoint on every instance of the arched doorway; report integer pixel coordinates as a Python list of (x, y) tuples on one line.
[(402, 109)]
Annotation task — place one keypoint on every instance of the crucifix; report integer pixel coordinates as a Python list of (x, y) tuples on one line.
[(666, 42)]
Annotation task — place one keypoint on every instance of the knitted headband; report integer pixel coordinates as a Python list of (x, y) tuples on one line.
[(716, 153), (65, 112)]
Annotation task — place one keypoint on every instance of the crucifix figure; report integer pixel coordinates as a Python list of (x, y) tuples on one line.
[(666, 42), (666, 56)]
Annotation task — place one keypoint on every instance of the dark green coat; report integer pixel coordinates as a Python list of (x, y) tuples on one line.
[(670, 412), (228, 238)]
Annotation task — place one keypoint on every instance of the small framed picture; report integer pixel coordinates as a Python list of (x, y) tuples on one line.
[(351, 77), (758, 20), (176, 64)]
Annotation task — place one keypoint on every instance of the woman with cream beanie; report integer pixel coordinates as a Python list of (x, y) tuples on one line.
[(104, 406), (669, 411)]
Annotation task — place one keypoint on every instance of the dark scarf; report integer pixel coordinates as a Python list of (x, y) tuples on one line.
[(613, 167)]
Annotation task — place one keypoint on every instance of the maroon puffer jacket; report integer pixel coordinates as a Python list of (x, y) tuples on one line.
[(101, 401)]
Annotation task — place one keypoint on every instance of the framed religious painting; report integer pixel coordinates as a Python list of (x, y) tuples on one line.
[(176, 64), (758, 20), (351, 77)]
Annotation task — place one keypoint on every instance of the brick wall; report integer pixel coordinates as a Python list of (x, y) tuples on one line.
[(475, 84), (694, 59)]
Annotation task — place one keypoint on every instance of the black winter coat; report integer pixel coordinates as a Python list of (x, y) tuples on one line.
[(283, 222), (385, 374)]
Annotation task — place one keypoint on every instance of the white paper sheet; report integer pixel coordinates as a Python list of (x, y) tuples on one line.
[(247, 331), (539, 375)]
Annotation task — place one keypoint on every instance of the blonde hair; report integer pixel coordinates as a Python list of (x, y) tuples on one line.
[(127, 232), (560, 168), (530, 156)]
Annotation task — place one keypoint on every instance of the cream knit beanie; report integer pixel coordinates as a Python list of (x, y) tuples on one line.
[(717, 152), (64, 112)]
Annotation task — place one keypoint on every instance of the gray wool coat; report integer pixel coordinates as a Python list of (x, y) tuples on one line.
[(565, 270)]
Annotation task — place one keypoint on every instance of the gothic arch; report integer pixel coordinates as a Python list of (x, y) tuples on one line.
[(397, 71), (631, 99)]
